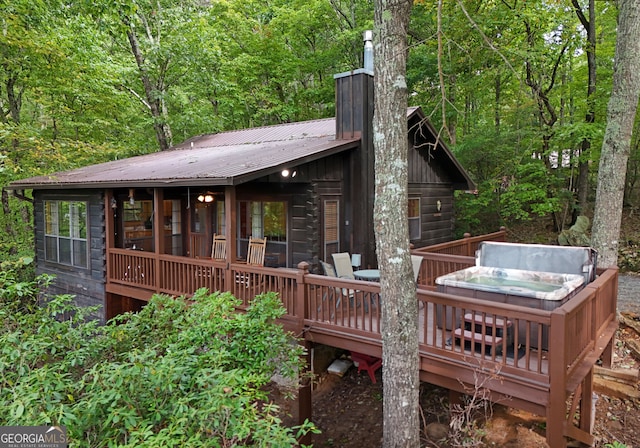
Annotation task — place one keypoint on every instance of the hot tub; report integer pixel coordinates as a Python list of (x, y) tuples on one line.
[(533, 289)]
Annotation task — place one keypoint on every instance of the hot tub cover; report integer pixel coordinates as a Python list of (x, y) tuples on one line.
[(538, 257)]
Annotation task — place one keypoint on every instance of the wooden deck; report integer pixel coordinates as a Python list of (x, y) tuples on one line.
[(511, 361)]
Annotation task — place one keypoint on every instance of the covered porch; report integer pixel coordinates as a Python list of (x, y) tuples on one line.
[(519, 371)]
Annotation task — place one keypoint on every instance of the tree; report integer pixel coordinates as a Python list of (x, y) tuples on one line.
[(399, 323), (589, 25), (621, 112)]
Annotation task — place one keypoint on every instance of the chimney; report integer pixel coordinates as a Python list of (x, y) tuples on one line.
[(354, 120), (368, 51), (354, 96)]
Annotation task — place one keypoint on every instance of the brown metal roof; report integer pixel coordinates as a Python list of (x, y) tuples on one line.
[(227, 158)]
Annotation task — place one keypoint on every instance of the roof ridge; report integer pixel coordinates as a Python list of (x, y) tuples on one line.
[(245, 130)]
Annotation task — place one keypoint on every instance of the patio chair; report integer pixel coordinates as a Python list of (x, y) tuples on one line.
[(342, 262), (219, 247), (367, 363), (336, 293), (328, 269), (416, 261)]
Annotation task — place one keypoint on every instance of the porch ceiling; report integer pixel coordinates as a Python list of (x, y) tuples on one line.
[(227, 158)]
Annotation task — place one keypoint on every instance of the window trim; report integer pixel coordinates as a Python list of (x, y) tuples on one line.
[(74, 226), (417, 218), (325, 242)]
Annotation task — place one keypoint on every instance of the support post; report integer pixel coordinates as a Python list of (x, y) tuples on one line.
[(305, 403), (557, 409)]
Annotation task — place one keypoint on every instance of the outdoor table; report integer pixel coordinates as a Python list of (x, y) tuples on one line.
[(372, 275)]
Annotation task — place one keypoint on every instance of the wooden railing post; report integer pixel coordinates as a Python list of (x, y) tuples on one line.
[(302, 306), (556, 408), (467, 244)]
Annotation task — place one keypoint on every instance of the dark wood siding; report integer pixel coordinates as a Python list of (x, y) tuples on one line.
[(87, 285), (303, 235), (431, 183), (424, 168), (436, 226), (329, 191)]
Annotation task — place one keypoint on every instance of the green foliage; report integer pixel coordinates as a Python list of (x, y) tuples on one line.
[(72, 93), (615, 444), (178, 373)]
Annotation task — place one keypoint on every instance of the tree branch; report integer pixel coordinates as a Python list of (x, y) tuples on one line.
[(486, 39), (135, 94), (443, 91)]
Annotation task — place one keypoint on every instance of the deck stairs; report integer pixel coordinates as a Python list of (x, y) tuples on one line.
[(486, 332)]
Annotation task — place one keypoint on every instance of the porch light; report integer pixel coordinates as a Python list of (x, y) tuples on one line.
[(132, 199), (206, 197), (286, 173)]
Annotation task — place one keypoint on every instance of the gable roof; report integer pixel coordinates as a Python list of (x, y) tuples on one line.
[(424, 131), (226, 158)]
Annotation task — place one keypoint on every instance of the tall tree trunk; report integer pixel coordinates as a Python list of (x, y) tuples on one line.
[(585, 147), (621, 112), (399, 325), (496, 112), (154, 101)]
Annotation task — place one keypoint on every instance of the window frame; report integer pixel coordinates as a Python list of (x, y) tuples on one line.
[(325, 242), (251, 217), (59, 229), (413, 219)]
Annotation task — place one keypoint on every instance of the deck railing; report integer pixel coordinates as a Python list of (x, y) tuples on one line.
[(526, 355), (466, 246)]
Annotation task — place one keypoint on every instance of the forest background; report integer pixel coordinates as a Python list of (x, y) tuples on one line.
[(517, 89)]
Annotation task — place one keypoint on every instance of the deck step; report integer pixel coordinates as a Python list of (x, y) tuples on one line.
[(488, 320), (478, 338)]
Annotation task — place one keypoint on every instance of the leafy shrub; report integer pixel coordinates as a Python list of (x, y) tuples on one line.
[(178, 373)]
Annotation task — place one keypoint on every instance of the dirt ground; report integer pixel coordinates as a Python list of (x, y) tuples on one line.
[(348, 411)]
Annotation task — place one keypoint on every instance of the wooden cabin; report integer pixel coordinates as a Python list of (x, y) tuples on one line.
[(308, 187), (116, 233)]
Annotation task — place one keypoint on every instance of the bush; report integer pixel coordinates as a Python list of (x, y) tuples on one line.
[(178, 373)]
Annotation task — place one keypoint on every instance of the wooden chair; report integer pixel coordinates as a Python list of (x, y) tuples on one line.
[(255, 257), (219, 247), (256, 251)]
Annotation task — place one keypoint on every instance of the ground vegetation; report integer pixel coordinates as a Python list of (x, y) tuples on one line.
[(178, 373)]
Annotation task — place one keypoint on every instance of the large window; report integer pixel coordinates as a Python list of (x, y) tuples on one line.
[(414, 219), (138, 224), (264, 219), (260, 219), (65, 237)]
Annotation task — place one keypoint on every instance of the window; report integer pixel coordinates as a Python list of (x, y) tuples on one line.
[(331, 232), (260, 219), (414, 219), (66, 233), (264, 219), (138, 224)]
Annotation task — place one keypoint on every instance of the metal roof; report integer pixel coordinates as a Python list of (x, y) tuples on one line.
[(227, 158)]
